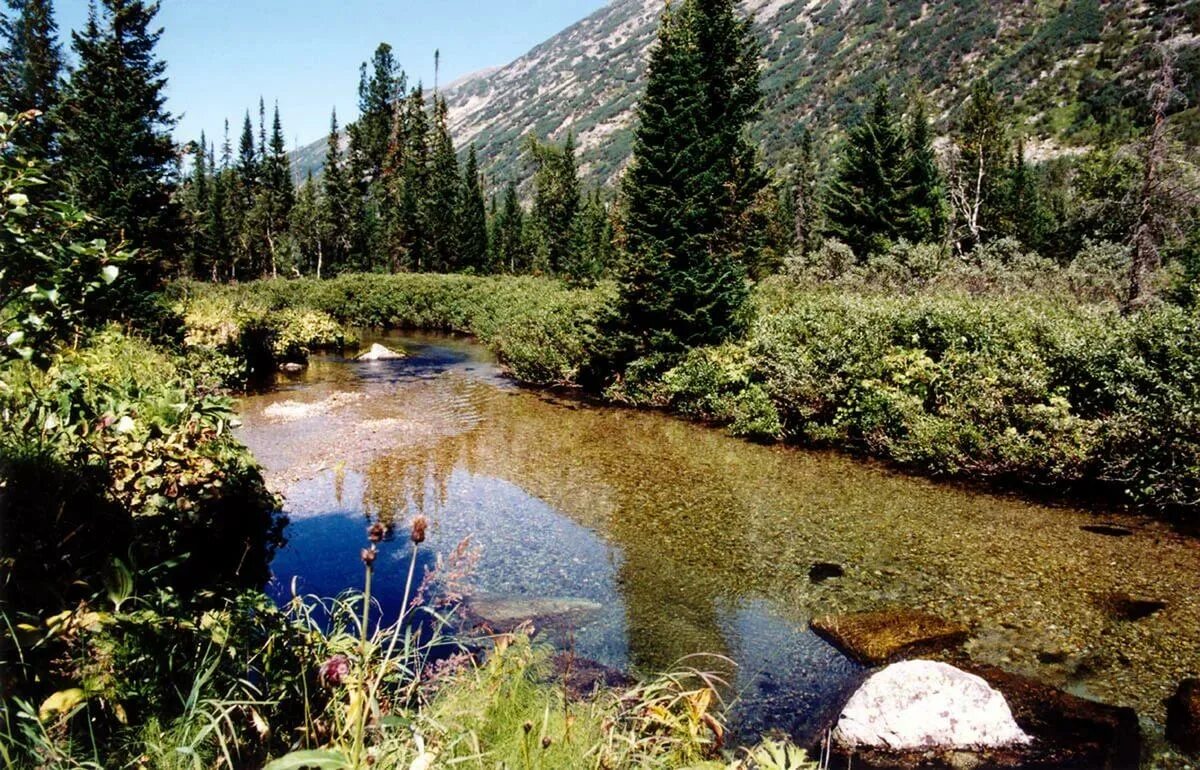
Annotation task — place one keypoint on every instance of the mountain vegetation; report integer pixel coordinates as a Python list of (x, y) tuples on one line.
[(959, 236)]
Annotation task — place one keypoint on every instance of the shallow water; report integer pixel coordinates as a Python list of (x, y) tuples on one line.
[(674, 539)]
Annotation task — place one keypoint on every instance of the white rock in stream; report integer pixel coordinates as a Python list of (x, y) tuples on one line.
[(379, 353), (923, 704)]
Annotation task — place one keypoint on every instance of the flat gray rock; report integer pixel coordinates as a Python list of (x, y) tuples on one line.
[(927, 705)]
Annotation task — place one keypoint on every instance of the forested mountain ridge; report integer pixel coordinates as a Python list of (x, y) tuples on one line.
[(1070, 67)]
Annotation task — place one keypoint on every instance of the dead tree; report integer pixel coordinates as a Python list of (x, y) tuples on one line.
[(1151, 218)]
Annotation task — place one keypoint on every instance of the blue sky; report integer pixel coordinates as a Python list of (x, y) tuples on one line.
[(222, 54)]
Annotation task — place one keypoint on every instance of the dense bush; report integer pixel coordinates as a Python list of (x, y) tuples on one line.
[(1025, 390), (119, 451), (537, 326)]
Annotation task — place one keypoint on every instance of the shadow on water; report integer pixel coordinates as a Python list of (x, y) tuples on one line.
[(642, 539)]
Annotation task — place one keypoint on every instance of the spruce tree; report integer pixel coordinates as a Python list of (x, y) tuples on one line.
[(116, 144), (198, 211), (472, 218), (927, 217), (307, 235), (556, 201), (692, 180), (868, 203), (509, 244), (441, 201), (336, 219), (31, 72)]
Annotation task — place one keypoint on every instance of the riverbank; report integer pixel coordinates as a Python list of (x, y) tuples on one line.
[(1059, 395)]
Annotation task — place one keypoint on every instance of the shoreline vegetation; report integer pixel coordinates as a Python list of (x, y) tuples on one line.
[(1019, 388), (964, 312)]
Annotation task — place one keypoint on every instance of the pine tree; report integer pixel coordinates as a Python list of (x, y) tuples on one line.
[(472, 219), (927, 217), (556, 201), (277, 193), (218, 217), (198, 210), (441, 201), (691, 182), (31, 72), (804, 202), (868, 202), (306, 227), (336, 219), (509, 244), (408, 184), (247, 165), (116, 144), (594, 252), (378, 96)]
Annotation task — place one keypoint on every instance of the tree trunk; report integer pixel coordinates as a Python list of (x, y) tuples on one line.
[(1147, 231)]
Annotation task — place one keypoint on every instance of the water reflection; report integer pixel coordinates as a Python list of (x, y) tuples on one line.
[(693, 542)]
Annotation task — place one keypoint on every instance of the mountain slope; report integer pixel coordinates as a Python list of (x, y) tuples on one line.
[(1065, 63)]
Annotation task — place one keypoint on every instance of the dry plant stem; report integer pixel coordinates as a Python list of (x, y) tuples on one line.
[(412, 566), (360, 724)]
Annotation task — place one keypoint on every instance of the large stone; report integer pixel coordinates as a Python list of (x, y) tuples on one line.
[(877, 638), (1183, 716), (926, 705), (379, 353), (1068, 732)]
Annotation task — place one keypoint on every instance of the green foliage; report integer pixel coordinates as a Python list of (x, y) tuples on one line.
[(117, 153), (31, 69), (538, 327), (1030, 391), (716, 385), (53, 282), (689, 189), (887, 186)]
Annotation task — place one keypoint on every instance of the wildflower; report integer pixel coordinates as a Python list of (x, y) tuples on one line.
[(334, 671), (546, 742), (527, 727), (376, 532), (368, 555), (418, 529)]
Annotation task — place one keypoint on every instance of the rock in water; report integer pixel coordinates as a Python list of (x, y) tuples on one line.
[(379, 353), (1183, 716), (876, 638), (927, 705)]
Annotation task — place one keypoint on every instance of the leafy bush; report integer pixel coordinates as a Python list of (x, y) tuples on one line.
[(1029, 391), (537, 326), (121, 447)]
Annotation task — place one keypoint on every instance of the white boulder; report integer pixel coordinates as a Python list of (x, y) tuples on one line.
[(379, 353), (922, 705)]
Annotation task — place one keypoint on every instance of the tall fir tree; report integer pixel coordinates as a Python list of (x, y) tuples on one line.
[(927, 217), (31, 72), (509, 244), (556, 200), (117, 152), (472, 219), (198, 211), (868, 203), (441, 200), (308, 237), (338, 207), (692, 180)]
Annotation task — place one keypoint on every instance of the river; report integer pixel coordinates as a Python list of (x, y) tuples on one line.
[(671, 539)]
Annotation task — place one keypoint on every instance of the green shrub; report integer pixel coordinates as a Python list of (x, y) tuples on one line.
[(1029, 391)]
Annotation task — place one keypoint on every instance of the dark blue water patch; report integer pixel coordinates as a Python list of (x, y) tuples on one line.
[(788, 679)]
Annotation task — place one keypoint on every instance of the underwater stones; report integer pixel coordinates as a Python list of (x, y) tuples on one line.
[(581, 677), (506, 613), (876, 638), (824, 570), (1122, 606), (927, 705), (291, 367), (1183, 716), (379, 353)]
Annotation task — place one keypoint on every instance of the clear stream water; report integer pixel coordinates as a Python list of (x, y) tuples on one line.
[(673, 539)]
